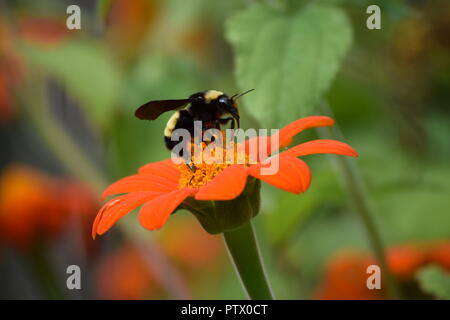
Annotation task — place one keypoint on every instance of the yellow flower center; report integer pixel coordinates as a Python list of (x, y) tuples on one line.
[(207, 164)]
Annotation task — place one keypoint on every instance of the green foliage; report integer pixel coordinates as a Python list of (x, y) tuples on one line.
[(157, 76), (290, 59), (292, 210), (103, 7), (421, 219), (408, 195), (435, 281), (85, 69)]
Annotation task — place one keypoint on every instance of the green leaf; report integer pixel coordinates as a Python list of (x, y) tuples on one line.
[(289, 59), (85, 69), (436, 281)]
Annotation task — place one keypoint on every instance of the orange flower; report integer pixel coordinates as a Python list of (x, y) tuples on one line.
[(28, 208), (204, 250), (43, 31), (11, 72), (128, 23), (405, 260), (440, 255), (163, 186), (34, 206), (345, 278), (51, 30), (123, 274)]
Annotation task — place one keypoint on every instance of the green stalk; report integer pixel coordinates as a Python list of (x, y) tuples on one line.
[(244, 252), (44, 272), (59, 141), (356, 189)]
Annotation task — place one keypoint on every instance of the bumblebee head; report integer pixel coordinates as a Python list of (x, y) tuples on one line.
[(227, 105), (218, 99)]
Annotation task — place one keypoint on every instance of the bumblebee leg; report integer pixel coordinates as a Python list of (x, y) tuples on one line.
[(232, 124), (217, 124), (225, 122), (191, 166)]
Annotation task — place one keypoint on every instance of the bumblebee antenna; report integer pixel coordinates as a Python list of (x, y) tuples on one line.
[(238, 95)]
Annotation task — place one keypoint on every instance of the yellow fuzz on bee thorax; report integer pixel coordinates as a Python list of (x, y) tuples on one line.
[(201, 173), (211, 95), (171, 124)]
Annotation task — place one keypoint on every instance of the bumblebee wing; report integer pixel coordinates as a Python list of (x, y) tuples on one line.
[(153, 109)]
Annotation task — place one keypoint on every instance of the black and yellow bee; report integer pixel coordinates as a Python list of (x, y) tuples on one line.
[(212, 107)]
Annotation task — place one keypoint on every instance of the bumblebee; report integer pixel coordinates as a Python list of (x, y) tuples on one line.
[(214, 108)]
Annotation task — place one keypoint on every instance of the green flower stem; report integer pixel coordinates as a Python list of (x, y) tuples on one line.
[(41, 267), (244, 252), (356, 190)]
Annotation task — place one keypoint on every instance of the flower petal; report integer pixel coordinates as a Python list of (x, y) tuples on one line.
[(165, 168), (321, 146), (226, 185), (154, 214), (140, 183), (254, 148), (284, 136), (293, 174), (116, 208), (288, 132)]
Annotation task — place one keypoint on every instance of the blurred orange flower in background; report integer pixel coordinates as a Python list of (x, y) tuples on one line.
[(11, 71), (405, 260), (345, 274), (440, 255), (199, 39), (123, 274), (188, 244), (345, 278), (35, 206), (51, 31), (127, 24)]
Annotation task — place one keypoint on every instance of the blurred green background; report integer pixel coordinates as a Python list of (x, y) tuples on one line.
[(67, 129)]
